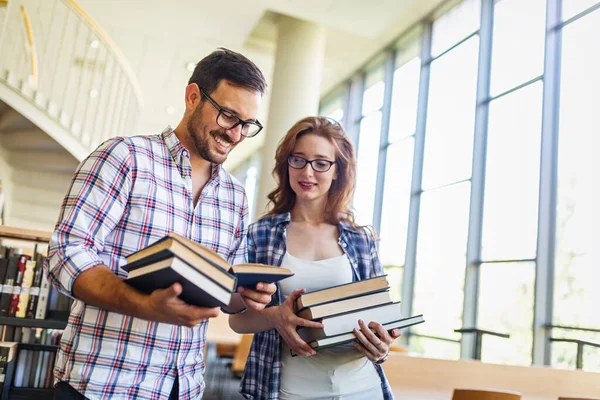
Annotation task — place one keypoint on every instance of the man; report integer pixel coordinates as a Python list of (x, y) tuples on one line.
[(131, 191)]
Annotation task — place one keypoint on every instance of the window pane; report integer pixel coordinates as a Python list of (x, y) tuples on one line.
[(441, 248), (455, 25), (373, 97), (394, 277), (564, 355), (396, 202), (451, 116), (518, 47), (366, 179), (434, 348), (405, 96), (512, 175), (571, 8), (576, 293), (506, 295)]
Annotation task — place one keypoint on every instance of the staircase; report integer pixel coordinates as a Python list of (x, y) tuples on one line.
[(65, 87)]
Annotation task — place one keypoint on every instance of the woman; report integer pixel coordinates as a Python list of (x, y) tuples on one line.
[(311, 230)]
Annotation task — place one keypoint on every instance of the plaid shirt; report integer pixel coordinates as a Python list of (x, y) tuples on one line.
[(266, 245), (127, 194)]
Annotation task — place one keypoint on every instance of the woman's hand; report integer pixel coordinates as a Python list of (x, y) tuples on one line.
[(285, 321), (374, 341)]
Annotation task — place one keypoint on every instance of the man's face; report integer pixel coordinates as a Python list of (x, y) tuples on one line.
[(213, 142)]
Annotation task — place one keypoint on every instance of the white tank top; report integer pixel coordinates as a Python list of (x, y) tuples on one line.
[(335, 371)]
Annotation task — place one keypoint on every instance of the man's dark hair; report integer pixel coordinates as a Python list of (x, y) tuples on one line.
[(230, 66)]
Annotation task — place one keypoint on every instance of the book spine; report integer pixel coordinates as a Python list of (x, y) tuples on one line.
[(9, 282), (30, 267), (34, 291), (42, 306), (14, 300)]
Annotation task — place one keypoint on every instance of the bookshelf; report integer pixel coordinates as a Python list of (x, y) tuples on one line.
[(53, 320)]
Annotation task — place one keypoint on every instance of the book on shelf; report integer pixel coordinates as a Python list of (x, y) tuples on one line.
[(8, 354), (344, 305), (348, 337), (208, 280), (345, 291)]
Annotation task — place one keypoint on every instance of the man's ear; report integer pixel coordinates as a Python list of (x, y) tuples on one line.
[(192, 96)]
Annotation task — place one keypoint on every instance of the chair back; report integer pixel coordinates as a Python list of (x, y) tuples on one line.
[(478, 394)]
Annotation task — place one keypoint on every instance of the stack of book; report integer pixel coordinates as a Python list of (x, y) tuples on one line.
[(340, 307), (207, 279)]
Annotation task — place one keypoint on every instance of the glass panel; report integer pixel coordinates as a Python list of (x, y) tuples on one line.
[(451, 116), (251, 186), (405, 95), (366, 179), (576, 293), (333, 108), (337, 114), (433, 348), (455, 25), (373, 98), (564, 355), (518, 47), (441, 252), (396, 202), (571, 8), (512, 175), (505, 305), (394, 277)]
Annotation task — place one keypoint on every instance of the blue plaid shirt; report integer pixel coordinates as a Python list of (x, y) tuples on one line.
[(266, 245)]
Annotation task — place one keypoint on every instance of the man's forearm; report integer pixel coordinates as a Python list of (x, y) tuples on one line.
[(100, 287)]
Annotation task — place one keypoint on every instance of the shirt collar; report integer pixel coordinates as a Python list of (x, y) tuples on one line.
[(180, 153)]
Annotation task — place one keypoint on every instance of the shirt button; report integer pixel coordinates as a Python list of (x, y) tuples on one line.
[(343, 244)]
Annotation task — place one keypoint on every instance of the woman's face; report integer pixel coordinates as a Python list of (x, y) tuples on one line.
[(308, 184)]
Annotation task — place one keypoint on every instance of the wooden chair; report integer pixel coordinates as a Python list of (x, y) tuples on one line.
[(476, 394), (226, 350), (578, 398), (241, 354)]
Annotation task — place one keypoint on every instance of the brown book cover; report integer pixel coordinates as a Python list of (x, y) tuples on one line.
[(340, 292)]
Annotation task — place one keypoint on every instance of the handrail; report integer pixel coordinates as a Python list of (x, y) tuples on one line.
[(111, 46), (32, 51)]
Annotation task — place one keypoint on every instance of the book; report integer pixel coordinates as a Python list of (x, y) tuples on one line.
[(8, 351), (34, 291), (9, 282), (198, 288), (345, 323), (249, 275), (30, 267), (343, 306), (345, 291), (42, 303), (348, 337), (207, 262), (14, 300)]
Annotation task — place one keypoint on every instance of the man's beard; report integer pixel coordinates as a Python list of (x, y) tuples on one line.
[(202, 141)]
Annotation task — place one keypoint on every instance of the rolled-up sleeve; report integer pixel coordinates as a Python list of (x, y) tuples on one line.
[(93, 206)]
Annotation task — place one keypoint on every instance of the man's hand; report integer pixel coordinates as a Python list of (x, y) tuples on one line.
[(164, 305), (258, 298)]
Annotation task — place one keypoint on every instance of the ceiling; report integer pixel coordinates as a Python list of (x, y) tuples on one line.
[(160, 39)]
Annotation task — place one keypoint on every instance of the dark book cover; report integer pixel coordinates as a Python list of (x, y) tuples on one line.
[(9, 282), (198, 289), (250, 280)]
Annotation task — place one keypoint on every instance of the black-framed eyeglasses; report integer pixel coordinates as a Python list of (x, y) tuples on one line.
[(226, 119), (318, 165)]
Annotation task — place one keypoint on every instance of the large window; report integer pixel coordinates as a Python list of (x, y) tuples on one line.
[(577, 261), (464, 161)]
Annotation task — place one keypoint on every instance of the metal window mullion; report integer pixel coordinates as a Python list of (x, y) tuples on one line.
[(471, 291), (410, 264), (355, 98), (386, 111), (544, 277)]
